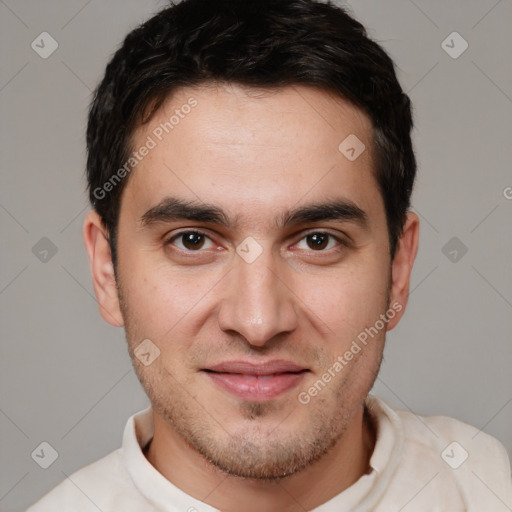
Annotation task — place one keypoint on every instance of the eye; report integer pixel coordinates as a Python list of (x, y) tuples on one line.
[(194, 241), (190, 240), (319, 241)]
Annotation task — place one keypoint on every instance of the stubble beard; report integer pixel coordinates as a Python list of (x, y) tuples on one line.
[(253, 452)]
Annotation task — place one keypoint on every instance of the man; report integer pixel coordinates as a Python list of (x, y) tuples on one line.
[(250, 169)]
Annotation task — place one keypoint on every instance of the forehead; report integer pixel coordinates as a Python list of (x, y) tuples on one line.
[(253, 151)]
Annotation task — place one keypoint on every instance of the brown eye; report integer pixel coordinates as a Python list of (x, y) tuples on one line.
[(189, 241), (321, 247), (318, 241), (192, 240)]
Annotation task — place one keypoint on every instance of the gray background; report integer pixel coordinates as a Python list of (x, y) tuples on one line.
[(65, 375)]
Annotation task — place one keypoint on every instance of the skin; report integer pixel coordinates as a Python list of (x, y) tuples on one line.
[(255, 155)]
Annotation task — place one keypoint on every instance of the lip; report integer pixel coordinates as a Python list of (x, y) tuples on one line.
[(256, 382)]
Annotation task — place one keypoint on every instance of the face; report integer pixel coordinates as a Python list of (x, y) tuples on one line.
[(252, 254)]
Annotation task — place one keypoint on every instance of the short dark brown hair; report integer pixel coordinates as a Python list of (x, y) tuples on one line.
[(257, 43)]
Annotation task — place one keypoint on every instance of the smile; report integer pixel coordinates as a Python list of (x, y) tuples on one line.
[(256, 383)]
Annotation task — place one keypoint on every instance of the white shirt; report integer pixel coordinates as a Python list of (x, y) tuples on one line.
[(419, 464)]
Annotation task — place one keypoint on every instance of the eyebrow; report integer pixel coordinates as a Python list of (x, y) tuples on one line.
[(172, 209)]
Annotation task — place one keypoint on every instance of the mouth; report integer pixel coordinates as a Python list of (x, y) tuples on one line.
[(256, 382)]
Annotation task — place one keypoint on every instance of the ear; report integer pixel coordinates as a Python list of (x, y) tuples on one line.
[(401, 267), (103, 277)]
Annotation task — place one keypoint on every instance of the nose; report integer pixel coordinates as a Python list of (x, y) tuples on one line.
[(258, 303)]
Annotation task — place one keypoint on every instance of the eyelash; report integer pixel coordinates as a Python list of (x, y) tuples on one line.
[(342, 243)]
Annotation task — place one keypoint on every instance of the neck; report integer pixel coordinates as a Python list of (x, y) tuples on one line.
[(337, 470)]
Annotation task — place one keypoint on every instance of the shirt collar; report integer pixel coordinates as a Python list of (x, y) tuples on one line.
[(367, 490)]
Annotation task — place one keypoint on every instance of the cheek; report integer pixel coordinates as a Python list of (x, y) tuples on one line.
[(159, 297), (347, 301)]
